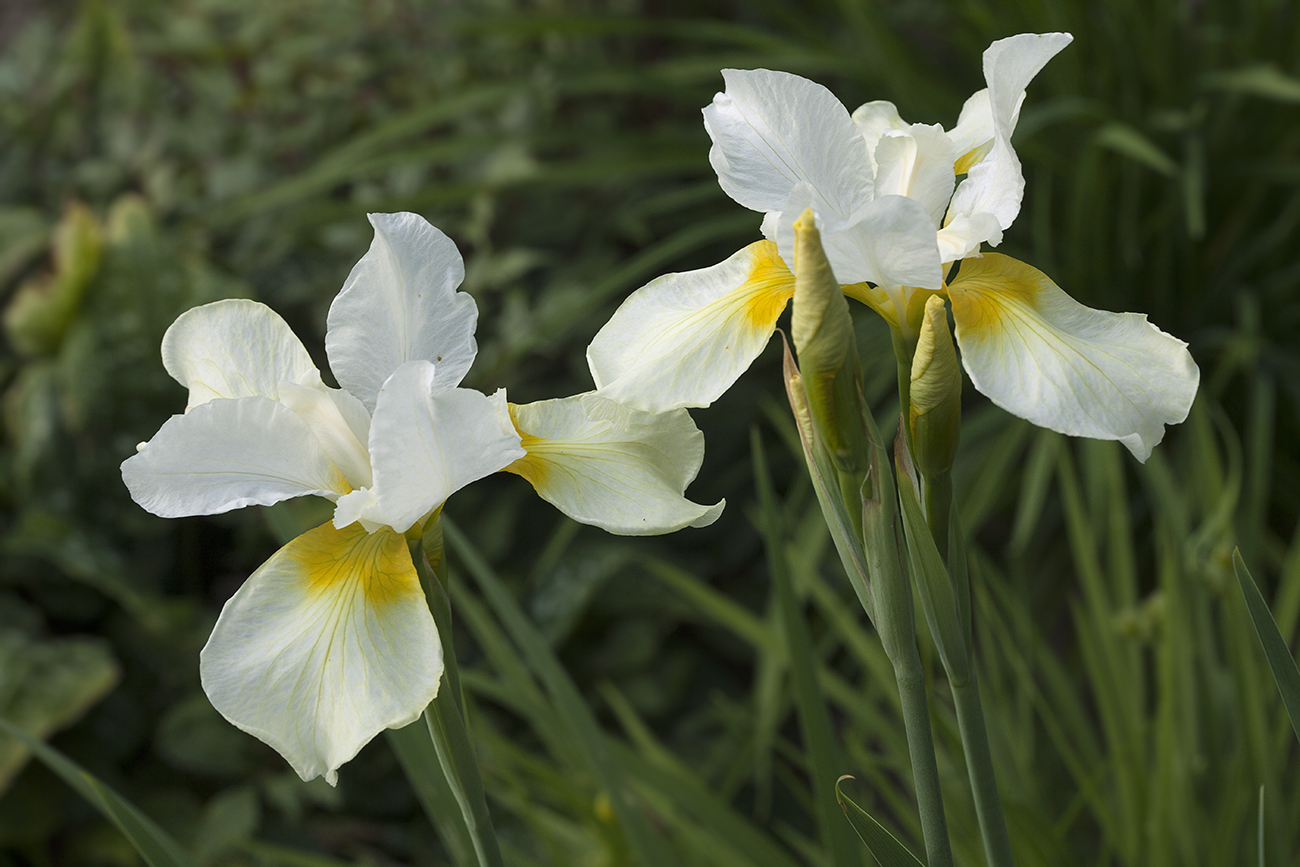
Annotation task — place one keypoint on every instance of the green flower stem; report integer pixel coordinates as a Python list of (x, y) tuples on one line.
[(979, 765), (937, 492), (445, 715), (920, 745)]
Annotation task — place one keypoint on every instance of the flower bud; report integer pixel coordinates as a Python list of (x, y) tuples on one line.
[(935, 412)]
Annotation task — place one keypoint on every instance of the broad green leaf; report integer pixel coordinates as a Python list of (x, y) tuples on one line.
[(1285, 671), (884, 846), (155, 845), (1261, 79), (46, 685)]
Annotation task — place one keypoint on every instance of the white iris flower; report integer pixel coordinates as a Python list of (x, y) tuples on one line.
[(331, 641), (893, 218)]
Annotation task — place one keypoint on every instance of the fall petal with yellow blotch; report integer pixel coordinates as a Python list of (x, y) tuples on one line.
[(324, 646), (1041, 355), (683, 339), (616, 468)]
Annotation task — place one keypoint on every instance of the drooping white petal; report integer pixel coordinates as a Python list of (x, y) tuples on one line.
[(233, 348), (893, 243), (612, 467), (426, 444), (339, 421), (327, 644), (400, 304), (226, 454), (995, 185), (772, 130), (1043, 356), (917, 163), (683, 339), (873, 119)]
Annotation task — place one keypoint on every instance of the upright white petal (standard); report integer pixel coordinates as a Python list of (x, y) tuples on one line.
[(917, 163), (1043, 356), (338, 420), (227, 454), (772, 130), (233, 348), (326, 645), (683, 339), (400, 304), (615, 468), (995, 185), (426, 444), (873, 119)]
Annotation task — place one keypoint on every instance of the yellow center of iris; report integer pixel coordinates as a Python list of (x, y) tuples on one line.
[(331, 560), (769, 288)]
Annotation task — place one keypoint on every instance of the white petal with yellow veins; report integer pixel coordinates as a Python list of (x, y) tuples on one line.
[(226, 454), (327, 644), (683, 339), (1041, 355), (612, 467), (233, 348)]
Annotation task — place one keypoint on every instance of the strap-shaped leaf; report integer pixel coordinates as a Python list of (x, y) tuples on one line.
[(884, 846), (155, 845), (1285, 671)]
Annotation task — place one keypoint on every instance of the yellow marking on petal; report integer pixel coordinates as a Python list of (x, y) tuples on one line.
[(531, 466), (987, 289), (768, 289), (380, 561), (968, 160)]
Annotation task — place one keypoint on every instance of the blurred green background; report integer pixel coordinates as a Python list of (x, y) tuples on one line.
[(157, 155)]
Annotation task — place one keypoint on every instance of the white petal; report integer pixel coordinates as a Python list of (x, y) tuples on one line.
[(426, 444), (917, 163), (612, 467), (772, 130), (873, 119), (233, 348), (683, 339), (1043, 356), (327, 644), (339, 422), (973, 135), (226, 454), (995, 185), (400, 304), (964, 234), (892, 244)]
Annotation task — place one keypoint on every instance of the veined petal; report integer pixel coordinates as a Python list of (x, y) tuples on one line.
[(612, 467), (226, 454), (339, 421), (772, 130), (683, 339), (400, 304), (917, 163), (327, 644), (892, 244), (426, 444), (995, 185), (233, 348), (1038, 353)]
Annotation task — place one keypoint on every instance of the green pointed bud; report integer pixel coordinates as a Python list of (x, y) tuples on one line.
[(828, 352), (935, 393)]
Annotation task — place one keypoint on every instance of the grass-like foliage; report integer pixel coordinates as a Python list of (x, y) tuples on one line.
[(689, 700)]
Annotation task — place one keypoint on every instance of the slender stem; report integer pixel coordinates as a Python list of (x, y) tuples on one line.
[(979, 765), (445, 716), (937, 498), (925, 770)]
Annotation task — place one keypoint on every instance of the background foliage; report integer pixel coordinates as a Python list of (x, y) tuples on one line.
[(157, 155)]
